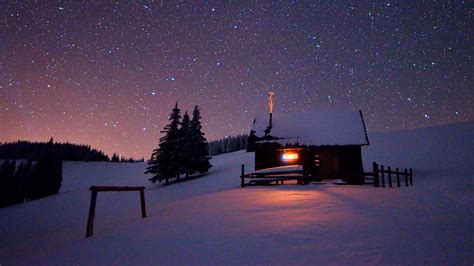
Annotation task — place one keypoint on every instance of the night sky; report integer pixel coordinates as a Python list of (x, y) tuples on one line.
[(108, 74)]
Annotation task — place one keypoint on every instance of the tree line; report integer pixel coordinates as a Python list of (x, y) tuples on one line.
[(228, 144), (23, 149), (182, 150), (30, 180), (122, 159)]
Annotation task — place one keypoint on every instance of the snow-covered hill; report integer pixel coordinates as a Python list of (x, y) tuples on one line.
[(447, 148), (212, 220)]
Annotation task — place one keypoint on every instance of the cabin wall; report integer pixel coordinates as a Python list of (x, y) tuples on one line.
[(320, 162), (268, 158), (351, 160), (343, 162)]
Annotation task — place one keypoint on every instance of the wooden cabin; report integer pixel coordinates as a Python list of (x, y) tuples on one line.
[(326, 143)]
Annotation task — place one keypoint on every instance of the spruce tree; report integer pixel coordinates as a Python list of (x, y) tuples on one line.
[(27, 180), (47, 173), (199, 163), (115, 158), (7, 183), (166, 159), (23, 176), (186, 144)]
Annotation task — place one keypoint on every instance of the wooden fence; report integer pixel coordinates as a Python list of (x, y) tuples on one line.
[(384, 176)]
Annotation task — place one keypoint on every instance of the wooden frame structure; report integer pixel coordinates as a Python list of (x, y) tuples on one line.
[(95, 189)]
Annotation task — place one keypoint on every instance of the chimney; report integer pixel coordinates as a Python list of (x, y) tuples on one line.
[(270, 108)]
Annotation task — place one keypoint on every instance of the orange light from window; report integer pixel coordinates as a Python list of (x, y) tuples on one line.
[(290, 156)]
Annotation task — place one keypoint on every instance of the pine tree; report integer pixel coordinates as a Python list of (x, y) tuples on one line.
[(186, 144), (199, 162), (115, 158), (23, 175), (7, 183), (166, 159), (47, 174), (28, 180)]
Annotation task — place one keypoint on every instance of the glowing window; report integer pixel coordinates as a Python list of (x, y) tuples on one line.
[(289, 156)]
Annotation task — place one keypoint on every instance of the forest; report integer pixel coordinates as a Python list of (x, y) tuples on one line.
[(29, 180), (227, 144), (23, 149)]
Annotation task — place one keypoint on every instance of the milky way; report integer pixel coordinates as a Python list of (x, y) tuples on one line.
[(108, 74)]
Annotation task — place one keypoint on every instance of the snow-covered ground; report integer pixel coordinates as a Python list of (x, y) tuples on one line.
[(212, 220)]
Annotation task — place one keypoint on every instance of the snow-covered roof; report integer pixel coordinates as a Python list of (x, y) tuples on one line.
[(314, 128)]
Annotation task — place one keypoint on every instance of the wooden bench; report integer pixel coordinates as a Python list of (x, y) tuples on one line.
[(95, 189), (266, 178)]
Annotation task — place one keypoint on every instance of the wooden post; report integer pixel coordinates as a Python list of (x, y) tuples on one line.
[(142, 201), (242, 183), (398, 178), (376, 174), (90, 219), (389, 177), (406, 177), (411, 176), (383, 175)]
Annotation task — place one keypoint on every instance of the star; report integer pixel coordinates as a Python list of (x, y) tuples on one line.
[(85, 70)]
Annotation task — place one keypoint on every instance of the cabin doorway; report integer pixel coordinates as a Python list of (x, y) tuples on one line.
[(326, 163), (315, 167)]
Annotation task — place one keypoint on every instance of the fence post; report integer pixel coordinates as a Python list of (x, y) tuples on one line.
[(376, 174), (90, 219), (389, 177), (406, 177), (242, 184), (411, 176), (142, 201), (398, 178), (382, 171)]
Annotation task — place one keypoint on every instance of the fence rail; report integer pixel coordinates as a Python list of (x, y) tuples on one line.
[(380, 172)]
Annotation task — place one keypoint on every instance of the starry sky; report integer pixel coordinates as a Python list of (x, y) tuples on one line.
[(108, 73)]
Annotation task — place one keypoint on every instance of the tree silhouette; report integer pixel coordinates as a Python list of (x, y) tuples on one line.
[(31, 180), (165, 162), (186, 144), (199, 162)]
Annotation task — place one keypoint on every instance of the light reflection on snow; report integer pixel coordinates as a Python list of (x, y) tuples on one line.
[(280, 209)]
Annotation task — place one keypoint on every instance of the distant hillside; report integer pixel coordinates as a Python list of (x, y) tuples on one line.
[(66, 151), (227, 144), (448, 148)]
